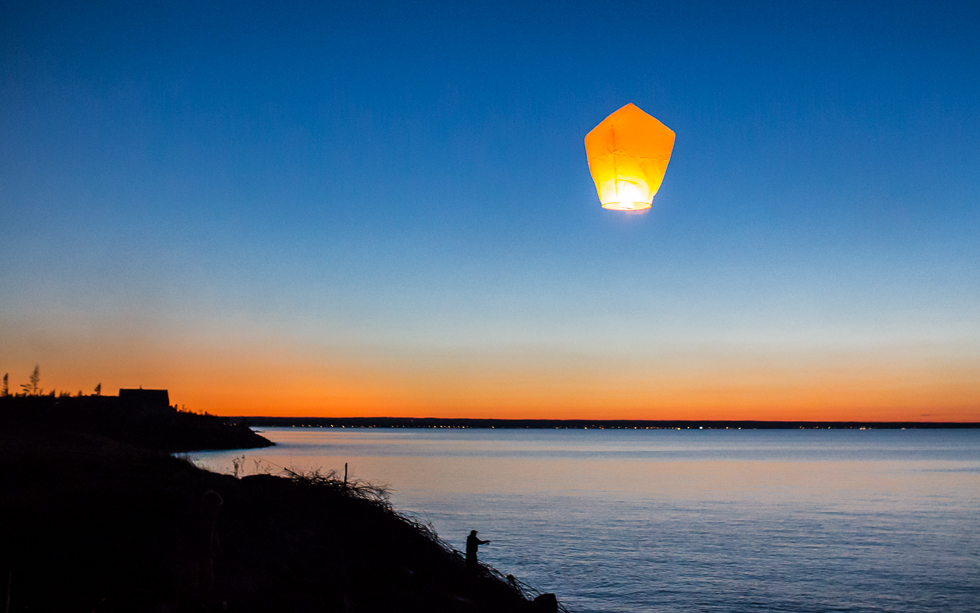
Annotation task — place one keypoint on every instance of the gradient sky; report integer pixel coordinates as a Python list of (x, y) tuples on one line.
[(362, 208)]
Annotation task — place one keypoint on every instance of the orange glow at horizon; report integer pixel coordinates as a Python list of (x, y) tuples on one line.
[(270, 379), (867, 397)]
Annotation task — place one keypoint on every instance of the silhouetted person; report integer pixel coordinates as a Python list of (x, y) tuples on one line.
[(472, 544)]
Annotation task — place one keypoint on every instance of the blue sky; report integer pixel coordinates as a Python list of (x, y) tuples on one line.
[(405, 185)]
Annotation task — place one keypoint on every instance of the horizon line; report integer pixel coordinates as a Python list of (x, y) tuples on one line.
[(469, 422)]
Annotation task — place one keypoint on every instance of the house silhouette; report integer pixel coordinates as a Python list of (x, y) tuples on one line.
[(146, 402)]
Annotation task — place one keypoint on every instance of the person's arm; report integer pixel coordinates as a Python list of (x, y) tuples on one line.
[(484, 542)]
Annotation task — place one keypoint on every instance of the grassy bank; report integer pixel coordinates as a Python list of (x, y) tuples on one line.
[(95, 523)]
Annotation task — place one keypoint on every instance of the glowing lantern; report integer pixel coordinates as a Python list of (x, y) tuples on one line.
[(628, 154)]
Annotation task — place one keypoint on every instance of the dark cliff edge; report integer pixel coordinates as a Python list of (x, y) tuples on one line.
[(167, 430), (95, 522)]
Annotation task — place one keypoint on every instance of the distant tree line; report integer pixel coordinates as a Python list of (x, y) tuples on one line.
[(33, 386)]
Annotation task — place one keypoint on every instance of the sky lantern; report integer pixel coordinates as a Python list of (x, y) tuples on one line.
[(628, 154)]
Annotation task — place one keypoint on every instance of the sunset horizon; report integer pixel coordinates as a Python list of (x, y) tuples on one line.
[(463, 307), (350, 211), (740, 397)]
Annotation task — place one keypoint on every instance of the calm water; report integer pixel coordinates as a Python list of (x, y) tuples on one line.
[(612, 520)]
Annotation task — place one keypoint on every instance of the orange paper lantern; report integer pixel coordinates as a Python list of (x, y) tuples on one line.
[(628, 154)]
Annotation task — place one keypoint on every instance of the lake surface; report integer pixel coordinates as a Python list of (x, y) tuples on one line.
[(690, 520)]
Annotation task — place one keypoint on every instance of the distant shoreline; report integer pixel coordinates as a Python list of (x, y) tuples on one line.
[(588, 424)]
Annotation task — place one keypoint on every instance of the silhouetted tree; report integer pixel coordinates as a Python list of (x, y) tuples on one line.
[(98, 389), (35, 379), (6, 377)]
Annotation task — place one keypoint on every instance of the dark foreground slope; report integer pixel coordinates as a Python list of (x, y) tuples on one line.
[(92, 524)]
